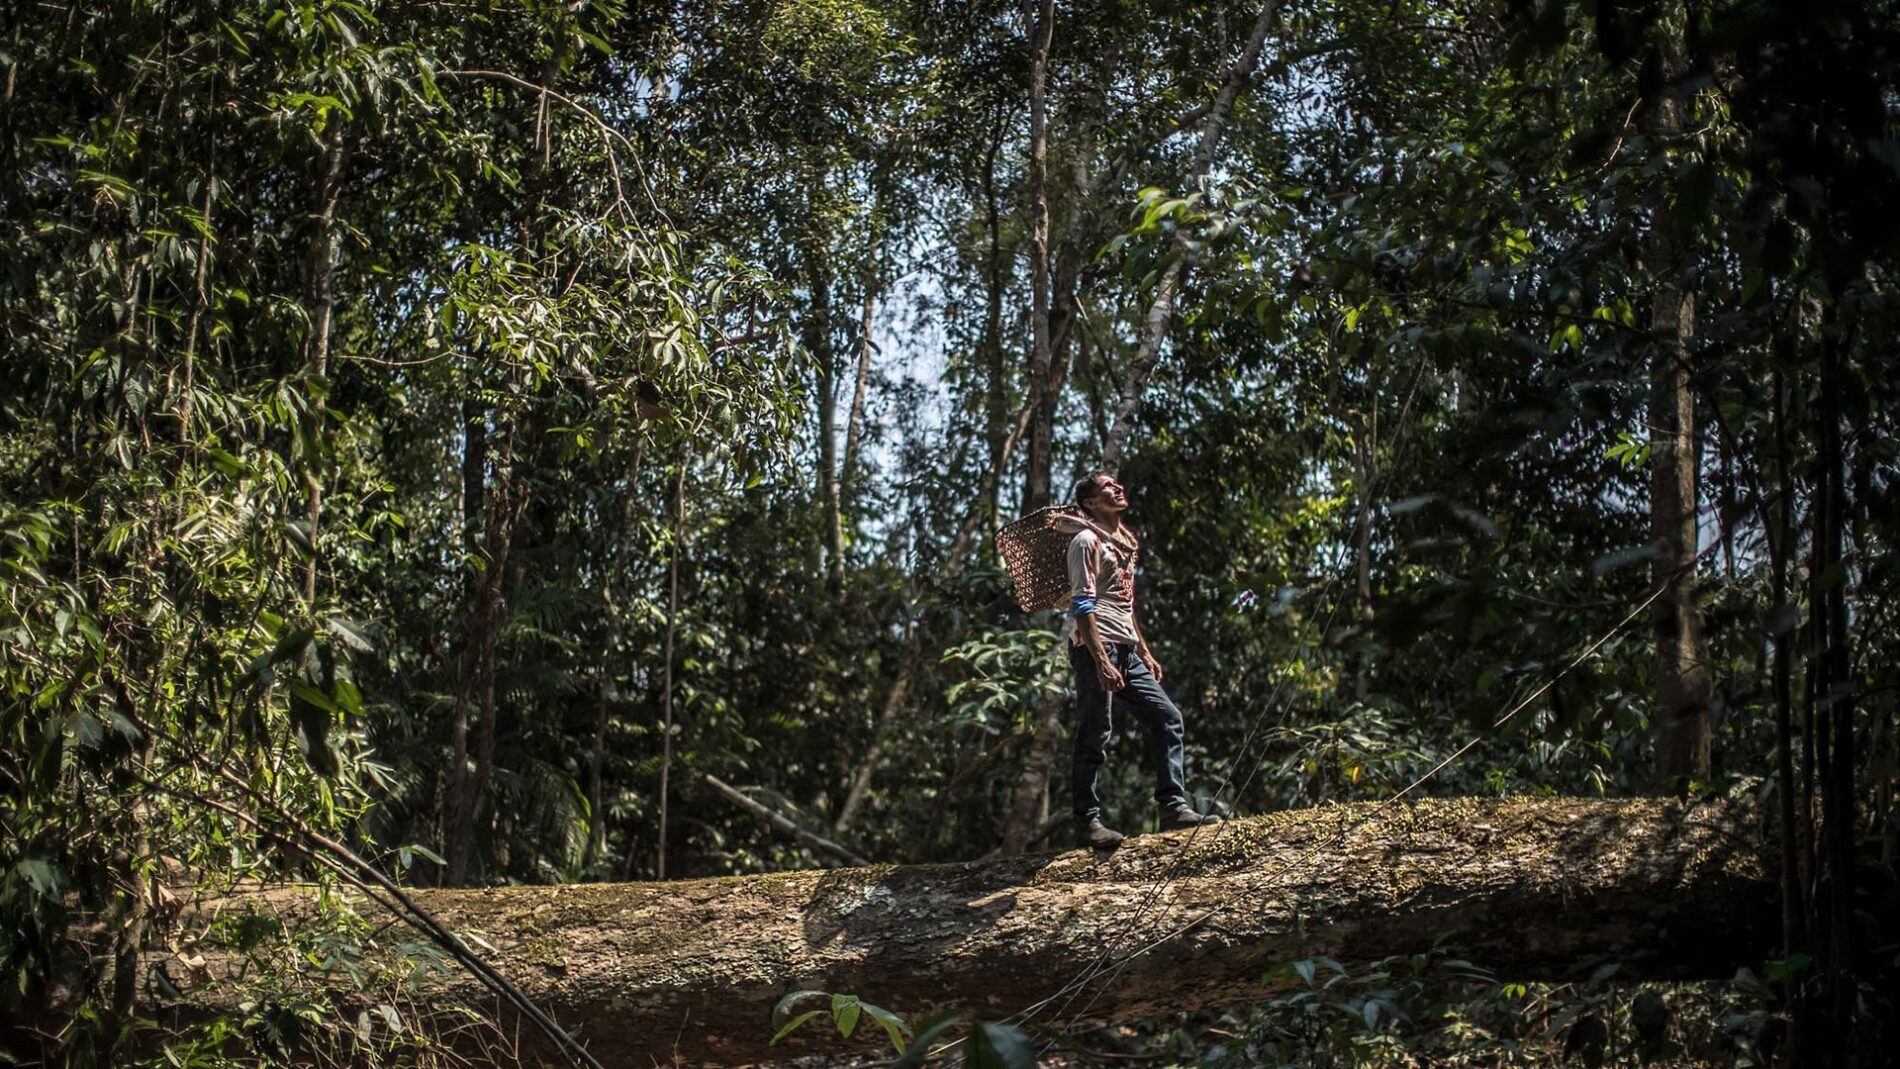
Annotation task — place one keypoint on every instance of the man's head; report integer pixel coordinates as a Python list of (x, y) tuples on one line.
[(1100, 495)]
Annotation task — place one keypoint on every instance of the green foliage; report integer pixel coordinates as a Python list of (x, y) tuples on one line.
[(846, 1011), (1009, 675), (366, 368), (985, 1045)]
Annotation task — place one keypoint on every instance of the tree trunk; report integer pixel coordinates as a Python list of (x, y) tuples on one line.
[(477, 685), (996, 417), (1161, 309), (818, 343), (1026, 810), (880, 735), (1362, 546), (854, 419), (201, 301), (1781, 548), (1685, 685), (672, 634), (1535, 889), (1042, 346), (322, 317), (1831, 669)]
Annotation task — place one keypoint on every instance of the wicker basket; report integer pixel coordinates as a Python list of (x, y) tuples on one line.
[(1035, 551)]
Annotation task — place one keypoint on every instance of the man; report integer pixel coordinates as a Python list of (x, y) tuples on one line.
[(1113, 664)]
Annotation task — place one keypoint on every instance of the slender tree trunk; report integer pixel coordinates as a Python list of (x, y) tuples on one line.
[(672, 632), (479, 661), (1684, 681), (474, 493), (1025, 815), (1835, 692), (996, 421), (1042, 352), (817, 334), (782, 823), (1781, 546), (597, 746), (854, 422), (323, 308), (1069, 258), (1161, 309), (1362, 540), (201, 299), (880, 737), (596, 758)]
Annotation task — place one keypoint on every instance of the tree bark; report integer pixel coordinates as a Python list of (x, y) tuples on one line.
[(322, 318), (880, 735), (477, 684), (1685, 685), (1833, 684), (996, 415), (854, 419), (1026, 814), (1362, 446), (1042, 347), (672, 634), (1781, 550), (818, 343), (1535, 889)]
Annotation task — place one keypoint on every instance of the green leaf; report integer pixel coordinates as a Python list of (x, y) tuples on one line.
[(783, 1008), (350, 632), (310, 716), (845, 1010), (929, 1030), (1779, 969), (846, 1018), (893, 1025), (998, 1046), (44, 878), (792, 1024), (291, 645)]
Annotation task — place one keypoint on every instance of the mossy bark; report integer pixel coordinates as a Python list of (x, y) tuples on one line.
[(1533, 889)]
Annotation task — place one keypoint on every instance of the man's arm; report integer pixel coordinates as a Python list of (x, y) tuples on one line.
[(1083, 559), (1105, 669)]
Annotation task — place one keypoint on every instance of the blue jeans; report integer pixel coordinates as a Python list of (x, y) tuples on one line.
[(1140, 695)]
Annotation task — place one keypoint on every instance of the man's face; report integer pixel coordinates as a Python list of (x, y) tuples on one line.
[(1109, 495)]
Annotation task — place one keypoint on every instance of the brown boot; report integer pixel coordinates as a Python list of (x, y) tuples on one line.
[(1098, 835)]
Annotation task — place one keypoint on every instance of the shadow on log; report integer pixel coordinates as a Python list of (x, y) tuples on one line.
[(1533, 889)]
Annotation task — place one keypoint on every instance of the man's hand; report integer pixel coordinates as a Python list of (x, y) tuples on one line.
[(1109, 675), (1154, 666)]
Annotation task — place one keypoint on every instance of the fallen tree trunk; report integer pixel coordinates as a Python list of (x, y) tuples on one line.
[(1533, 889)]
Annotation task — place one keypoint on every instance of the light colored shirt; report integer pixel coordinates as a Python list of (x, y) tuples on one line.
[(1102, 584)]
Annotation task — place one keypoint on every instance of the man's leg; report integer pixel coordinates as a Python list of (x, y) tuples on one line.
[(1091, 736), (1144, 698)]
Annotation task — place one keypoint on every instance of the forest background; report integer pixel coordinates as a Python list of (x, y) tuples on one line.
[(462, 427)]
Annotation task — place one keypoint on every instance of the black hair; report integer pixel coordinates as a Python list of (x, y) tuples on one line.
[(1088, 486)]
